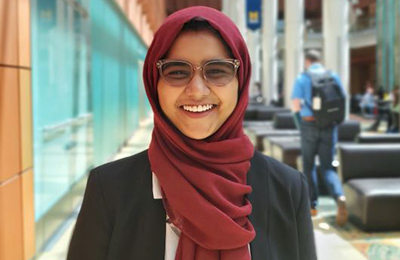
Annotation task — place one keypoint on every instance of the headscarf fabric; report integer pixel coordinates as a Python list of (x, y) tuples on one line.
[(203, 181)]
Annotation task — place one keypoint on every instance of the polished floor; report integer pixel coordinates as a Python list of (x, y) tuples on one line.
[(333, 242)]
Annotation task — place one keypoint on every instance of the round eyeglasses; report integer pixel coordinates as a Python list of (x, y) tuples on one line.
[(180, 73)]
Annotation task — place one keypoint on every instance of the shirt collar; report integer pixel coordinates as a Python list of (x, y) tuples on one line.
[(316, 68), (157, 194)]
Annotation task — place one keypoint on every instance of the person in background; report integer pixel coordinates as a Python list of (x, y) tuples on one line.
[(316, 140), (367, 103), (201, 191), (384, 113), (395, 110)]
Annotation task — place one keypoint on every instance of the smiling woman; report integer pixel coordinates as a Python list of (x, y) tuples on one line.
[(200, 192), (198, 102)]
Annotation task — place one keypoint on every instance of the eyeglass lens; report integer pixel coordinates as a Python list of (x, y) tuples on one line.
[(180, 73)]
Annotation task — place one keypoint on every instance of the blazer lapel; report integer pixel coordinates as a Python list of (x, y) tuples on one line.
[(257, 178)]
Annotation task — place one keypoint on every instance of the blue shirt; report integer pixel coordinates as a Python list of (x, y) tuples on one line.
[(302, 88)]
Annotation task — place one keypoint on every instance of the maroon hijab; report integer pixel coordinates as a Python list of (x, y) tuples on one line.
[(203, 181)]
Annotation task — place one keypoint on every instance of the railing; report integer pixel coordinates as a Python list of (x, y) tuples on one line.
[(363, 23), (311, 26), (314, 26), (52, 132)]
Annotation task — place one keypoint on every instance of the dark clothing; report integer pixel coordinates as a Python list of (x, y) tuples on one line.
[(321, 142), (120, 219)]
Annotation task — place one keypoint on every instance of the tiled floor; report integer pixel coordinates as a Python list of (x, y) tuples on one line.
[(333, 243)]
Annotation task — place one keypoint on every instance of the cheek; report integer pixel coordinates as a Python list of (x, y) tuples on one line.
[(162, 98), (232, 97), (167, 98), (234, 101)]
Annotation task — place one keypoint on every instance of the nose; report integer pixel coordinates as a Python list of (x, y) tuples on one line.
[(197, 88)]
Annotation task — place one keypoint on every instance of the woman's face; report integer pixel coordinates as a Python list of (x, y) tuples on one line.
[(179, 102)]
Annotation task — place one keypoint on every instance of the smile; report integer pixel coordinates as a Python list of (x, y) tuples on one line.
[(198, 109)]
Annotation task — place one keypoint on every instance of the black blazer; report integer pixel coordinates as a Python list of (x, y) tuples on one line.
[(120, 219)]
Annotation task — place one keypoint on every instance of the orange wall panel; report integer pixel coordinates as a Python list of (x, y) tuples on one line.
[(8, 32), (28, 213), (10, 150), (26, 118), (11, 220), (24, 50)]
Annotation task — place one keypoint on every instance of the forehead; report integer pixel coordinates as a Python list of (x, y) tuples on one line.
[(198, 46)]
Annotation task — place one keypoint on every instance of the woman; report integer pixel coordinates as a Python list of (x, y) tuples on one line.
[(200, 192)]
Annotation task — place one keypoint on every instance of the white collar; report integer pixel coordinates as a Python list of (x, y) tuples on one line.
[(157, 194)]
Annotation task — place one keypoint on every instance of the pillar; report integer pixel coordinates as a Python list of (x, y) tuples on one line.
[(336, 38), (294, 42), (269, 46), (236, 10)]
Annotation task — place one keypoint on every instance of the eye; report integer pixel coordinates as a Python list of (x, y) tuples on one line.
[(176, 70), (177, 73), (218, 70)]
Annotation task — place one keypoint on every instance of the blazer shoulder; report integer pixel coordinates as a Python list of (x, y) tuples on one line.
[(282, 177), (137, 163), (130, 175), (276, 168)]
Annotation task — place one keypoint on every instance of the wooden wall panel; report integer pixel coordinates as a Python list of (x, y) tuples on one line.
[(24, 43), (8, 32), (17, 219), (28, 212), (10, 150), (26, 119), (11, 220)]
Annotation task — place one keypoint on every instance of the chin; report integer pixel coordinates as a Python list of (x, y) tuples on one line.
[(197, 135)]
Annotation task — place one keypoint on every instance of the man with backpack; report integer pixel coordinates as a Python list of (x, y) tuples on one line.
[(318, 102)]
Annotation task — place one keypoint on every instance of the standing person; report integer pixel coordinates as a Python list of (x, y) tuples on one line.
[(316, 140), (201, 191)]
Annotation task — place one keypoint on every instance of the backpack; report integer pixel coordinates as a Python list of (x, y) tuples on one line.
[(328, 100)]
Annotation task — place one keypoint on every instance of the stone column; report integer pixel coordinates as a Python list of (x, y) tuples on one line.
[(269, 46), (336, 38), (254, 45), (294, 41), (236, 10)]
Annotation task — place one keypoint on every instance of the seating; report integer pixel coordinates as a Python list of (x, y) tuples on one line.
[(284, 120), (257, 136), (270, 140), (371, 182), (262, 113), (286, 149), (268, 113), (366, 138), (348, 131), (258, 125)]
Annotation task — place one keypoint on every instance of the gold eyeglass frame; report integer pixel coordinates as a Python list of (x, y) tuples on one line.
[(234, 62)]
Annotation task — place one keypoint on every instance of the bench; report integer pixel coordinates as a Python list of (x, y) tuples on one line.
[(371, 183), (366, 138), (263, 113)]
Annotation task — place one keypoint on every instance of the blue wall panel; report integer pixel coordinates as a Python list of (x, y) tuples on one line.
[(87, 91)]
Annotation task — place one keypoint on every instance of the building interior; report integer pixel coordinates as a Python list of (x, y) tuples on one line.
[(72, 98)]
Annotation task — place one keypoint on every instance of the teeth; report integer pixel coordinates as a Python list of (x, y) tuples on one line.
[(199, 108)]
